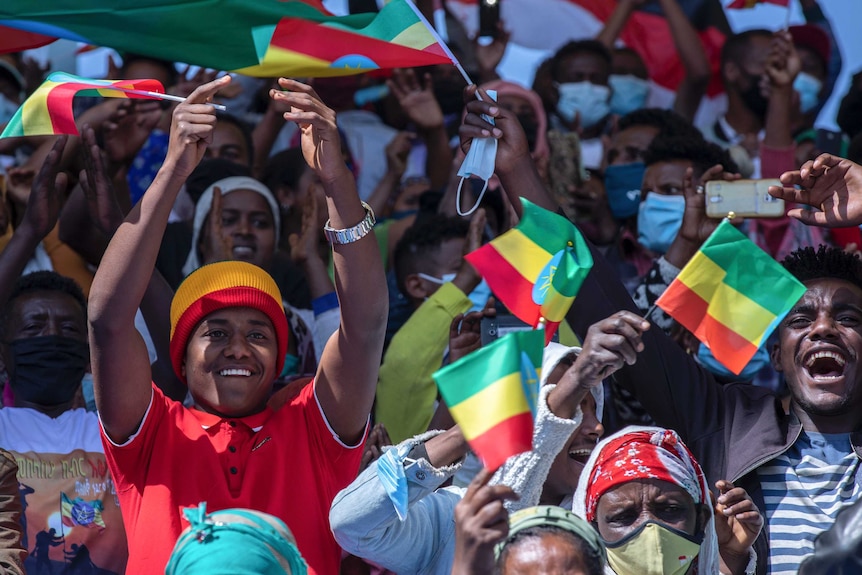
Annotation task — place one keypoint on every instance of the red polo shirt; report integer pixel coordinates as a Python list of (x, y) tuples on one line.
[(287, 462)]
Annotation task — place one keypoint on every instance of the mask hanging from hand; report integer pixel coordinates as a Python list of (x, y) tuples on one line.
[(480, 162), (47, 370), (653, 549), (628, 93), (808, 88), (659, 220), (623, 188), (590, 102)]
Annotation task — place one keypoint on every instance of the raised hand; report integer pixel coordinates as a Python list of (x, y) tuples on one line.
[(97, 186), (830, 184), (192, 128), (320, 142), (481, 521), (416, 98), (782, 63), (488, 56), (126, 130), (465, 331), (186, 83), (610, 344), (47, 194), (304, 245), (737, 521), (397, 151), (511, 140), (467, 277), (219, 246)]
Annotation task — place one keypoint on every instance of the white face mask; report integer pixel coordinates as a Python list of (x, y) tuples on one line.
[(480, 161), (7, 109), (591, 102)]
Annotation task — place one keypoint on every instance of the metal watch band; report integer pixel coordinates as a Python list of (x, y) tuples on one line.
[(350, 235)]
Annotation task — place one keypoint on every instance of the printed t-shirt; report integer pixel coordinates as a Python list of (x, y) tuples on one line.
[(71, 520), (285, 461)]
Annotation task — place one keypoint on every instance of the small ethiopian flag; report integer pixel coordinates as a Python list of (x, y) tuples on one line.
[(537, 267), (731, 295), (492, 394), (48, 110)]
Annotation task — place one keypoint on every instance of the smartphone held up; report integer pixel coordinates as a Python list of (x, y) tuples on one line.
[(743, 198)]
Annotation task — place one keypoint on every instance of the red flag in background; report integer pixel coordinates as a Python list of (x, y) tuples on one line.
[(551, 23), (741, 4), (13, 40)]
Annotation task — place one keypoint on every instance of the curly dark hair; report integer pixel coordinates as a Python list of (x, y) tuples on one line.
[(41, 281), (826, 262), (421, 240), (702, 154)]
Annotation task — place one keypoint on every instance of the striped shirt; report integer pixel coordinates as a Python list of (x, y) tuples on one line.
[(804, 489)]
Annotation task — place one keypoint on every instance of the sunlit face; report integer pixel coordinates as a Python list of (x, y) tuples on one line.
[(567, 467), (247, 221), (820, 342), (230, 362), (547, 554), (628, 146), (625, 507), (666, 178)]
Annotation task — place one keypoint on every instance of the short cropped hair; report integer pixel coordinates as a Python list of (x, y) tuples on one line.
[(41, 281), (423, 239), (579, 47), (702, 154)]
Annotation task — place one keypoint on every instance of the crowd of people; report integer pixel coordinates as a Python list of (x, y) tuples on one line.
[(218, 330)]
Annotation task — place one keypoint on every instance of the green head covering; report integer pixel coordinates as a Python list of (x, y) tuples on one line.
[(235, 542), (553, 516)]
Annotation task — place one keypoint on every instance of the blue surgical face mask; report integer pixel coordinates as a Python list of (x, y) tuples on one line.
[(659, 220), (809, 91), (479, 296), (7, 109), (705, 358), (623, 188), (628, 93), (590, 101)]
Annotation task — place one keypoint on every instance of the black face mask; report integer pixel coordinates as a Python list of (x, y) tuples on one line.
[(754, 100), (46, 370)]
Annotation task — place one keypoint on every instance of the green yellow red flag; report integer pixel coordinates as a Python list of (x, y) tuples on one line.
[(731, 295), (48, 110), (537, 267), (492, 395)]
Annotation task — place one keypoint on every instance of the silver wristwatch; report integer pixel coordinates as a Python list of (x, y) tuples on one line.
[(350, 235)]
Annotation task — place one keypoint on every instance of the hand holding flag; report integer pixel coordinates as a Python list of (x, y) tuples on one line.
[(536, 268), (492, 394), (731, 295)]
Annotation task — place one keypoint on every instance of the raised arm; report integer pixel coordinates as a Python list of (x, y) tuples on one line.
[(347, 375), (693, 57), (121, 368)]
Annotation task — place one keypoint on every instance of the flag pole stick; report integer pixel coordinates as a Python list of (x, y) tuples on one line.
[(440, 41), (161, 96), (649, 311)]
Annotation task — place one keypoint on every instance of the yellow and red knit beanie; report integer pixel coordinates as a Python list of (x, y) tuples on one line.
[(221, 285)]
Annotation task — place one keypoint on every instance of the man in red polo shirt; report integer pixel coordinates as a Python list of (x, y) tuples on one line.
[(238, 446)]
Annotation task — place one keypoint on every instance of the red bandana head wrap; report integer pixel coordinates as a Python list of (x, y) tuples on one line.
[(645, 455)]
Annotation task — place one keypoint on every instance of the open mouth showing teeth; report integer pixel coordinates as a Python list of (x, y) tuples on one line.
[(825, 365), (580, 455), (231, 372), (240, 251)]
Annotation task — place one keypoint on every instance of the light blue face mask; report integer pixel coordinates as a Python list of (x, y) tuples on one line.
[(590, 101), (659, 220), (705, 358), (628, 93), (480, 162), (623, 188), (808, 88), (479, 296)]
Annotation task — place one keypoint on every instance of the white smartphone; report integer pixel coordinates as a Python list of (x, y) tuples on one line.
[(745, 198)]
